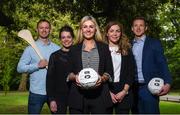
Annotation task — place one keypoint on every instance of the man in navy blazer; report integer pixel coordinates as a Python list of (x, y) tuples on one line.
[(150, 62)]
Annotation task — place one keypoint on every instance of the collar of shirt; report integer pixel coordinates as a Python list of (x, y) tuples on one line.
[(42, 43), (113, 49), (142, 39), (95, 46)]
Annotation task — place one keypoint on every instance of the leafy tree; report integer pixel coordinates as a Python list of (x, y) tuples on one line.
[(169, 20), (26, 14), (8, 60), (174, 61), (121, 10)]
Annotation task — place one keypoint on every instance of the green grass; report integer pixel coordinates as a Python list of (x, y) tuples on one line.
[(174, 92), (169, 107), (16, 102)]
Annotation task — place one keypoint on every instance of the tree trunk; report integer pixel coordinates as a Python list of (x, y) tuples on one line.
[(23, 82)]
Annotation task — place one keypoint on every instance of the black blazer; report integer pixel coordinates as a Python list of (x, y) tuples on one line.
[(105, 65), (126, 77)]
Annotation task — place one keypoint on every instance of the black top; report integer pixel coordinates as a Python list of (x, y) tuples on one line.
[(58, 70)]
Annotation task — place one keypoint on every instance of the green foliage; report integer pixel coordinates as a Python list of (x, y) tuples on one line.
[(37, 11), (8, 61), (120, 10), (25, 15), (174, 61), (169, 20)]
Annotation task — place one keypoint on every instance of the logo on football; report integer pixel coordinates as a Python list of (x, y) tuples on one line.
[(88, 77), (155, 85)]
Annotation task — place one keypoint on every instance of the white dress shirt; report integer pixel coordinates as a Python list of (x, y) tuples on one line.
[(116, 59)]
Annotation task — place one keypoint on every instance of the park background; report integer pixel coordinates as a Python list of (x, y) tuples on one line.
[(163, 17)]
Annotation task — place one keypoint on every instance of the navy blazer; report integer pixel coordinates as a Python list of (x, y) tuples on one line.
[(154, 63), (76, 94)]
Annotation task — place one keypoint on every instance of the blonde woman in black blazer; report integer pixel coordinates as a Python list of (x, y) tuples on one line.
[(122, 58), (98, 99)]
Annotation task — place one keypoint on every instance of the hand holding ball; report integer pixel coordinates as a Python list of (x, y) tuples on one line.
[(88, 78), (155, 85)]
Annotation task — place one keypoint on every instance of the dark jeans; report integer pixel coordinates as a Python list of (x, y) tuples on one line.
[(35, 103)]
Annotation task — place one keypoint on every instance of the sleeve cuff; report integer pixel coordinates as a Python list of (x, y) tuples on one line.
[(70, 75), (51, 99), (67, 79), (33, 67), (108, 76)]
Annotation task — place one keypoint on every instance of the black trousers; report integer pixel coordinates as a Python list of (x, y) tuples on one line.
[(91, 106), (124, 106), (119, 110), (93, 103)]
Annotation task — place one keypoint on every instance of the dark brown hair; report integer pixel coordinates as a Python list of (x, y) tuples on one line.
[(66, 28)]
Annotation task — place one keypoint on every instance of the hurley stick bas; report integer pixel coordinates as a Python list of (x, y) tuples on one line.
[(27, 36)]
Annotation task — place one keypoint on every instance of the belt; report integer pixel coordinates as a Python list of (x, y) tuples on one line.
[(141, 84)]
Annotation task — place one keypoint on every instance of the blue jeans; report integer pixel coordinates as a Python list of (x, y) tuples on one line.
[(148, 103), (36, 102)]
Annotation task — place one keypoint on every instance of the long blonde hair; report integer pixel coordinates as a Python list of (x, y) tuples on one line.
[(97, 36), (123, 43)]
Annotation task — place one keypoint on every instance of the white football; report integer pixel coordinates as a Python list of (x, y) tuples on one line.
[(88, 77), (155, 85)]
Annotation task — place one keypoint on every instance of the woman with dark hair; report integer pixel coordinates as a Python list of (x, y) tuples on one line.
[(122, 59), (58, 69)]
